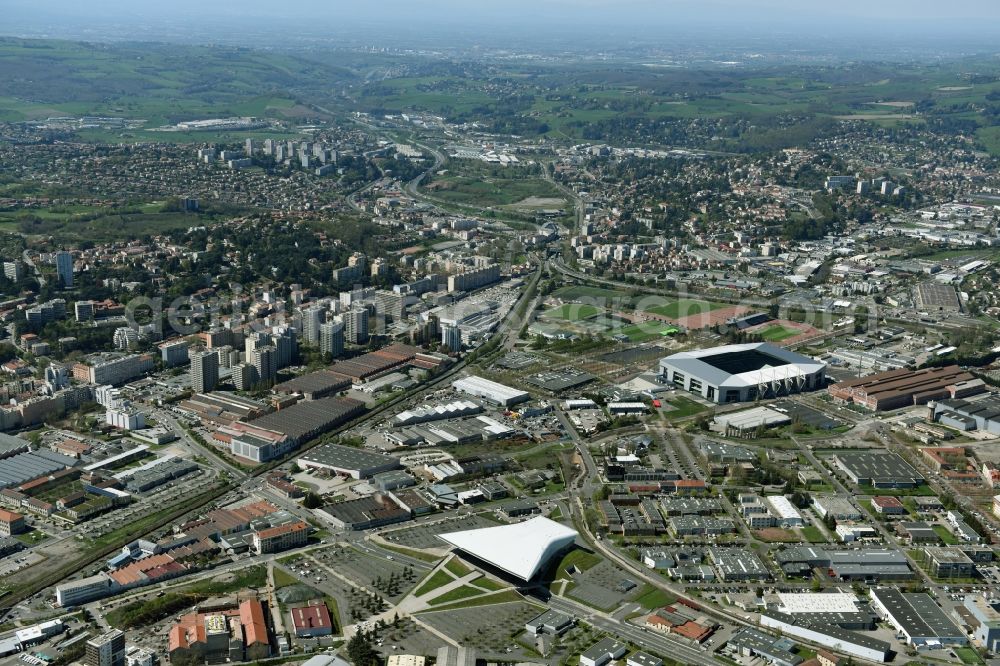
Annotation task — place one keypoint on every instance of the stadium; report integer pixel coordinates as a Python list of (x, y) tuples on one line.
[(742, 373)]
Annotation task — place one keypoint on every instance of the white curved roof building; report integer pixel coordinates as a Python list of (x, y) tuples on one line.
[(520, 549)]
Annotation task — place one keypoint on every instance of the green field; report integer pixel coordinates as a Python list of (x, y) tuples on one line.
[(283, 579), (572, 312), (776, 333), (439, 578), (683, 407), (157, 83), (488, 191), (812, 534), (653, 597), (647, 330), (457, 568), (593, 295), (457, 594), (579, 558), (502, 597), (968, 655), (685, 307), (947, 537), (98, 224)]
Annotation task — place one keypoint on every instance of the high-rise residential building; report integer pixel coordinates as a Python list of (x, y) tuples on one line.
[(244, 376), (451, 338), (285, 344), (356, 326), (125, 338), (13, 270), (312, 319), (331, 338), (253, 340), (264, 360), (204, 371), (174, 353), (108, 649), (84, 310), (474, 278), (391, 305), (64, 268)]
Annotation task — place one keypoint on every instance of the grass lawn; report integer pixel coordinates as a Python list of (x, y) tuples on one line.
[(579, 558), (488, 584), (459, 593), (440, 578), (504, 597), (572, 312), (685, 307), (457, 568), (32, 537), (968, 655), (947, 537), (653, 597), (776, 535), (683, 407), (430, 558), (812, 534), (283, 578), (777, 333)]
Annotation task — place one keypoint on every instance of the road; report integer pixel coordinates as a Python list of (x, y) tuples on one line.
[(211, 457), (622, 629)]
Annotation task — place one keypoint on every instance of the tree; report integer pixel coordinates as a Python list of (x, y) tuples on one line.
[(360, 650), (312, 501)]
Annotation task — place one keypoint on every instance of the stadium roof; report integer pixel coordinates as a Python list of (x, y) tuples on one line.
[(743, 365), (520, 549)]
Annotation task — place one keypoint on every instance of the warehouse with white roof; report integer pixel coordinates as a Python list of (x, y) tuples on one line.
[(784, 511), (519, 549), (489, 390)]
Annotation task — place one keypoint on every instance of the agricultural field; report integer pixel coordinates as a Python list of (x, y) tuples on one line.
[(157, 84)]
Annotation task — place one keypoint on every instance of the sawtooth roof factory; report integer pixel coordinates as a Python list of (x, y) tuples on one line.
[(743, 373)]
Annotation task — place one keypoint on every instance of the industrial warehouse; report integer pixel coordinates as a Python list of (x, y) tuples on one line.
[(742, 373), (904, 388)]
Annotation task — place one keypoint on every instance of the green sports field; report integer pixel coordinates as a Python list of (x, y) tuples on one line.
[(572, 312), (685, 307), (647, 330), (777, 333)]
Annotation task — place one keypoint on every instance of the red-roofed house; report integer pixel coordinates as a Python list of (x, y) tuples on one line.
[(312, 620)]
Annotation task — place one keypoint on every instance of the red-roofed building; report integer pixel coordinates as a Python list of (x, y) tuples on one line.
[(228, 634), (888, 506), (11, 523), (282, 537), (312, 620)]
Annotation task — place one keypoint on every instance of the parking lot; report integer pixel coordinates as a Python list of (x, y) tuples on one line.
[(425, 536), (806, 415), (367, 569), (486, 628), (603, 586)]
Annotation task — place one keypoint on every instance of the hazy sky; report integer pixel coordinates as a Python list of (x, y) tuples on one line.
[(408, 19)]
